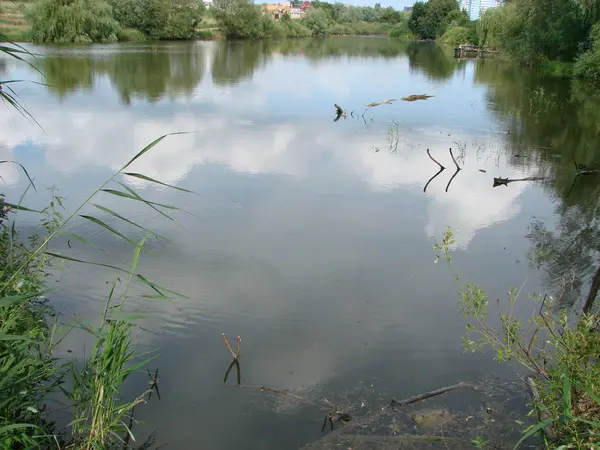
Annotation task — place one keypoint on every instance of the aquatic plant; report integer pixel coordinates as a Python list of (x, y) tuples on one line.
[(559, 350)]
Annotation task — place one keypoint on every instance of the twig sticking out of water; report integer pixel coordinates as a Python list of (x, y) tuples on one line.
[(238, 342), (153, 384), (235, 358)]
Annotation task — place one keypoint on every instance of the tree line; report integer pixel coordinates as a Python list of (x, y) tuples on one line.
[(531, 32), (81, 21)]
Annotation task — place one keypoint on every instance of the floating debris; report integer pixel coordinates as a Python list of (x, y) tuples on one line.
[(483, 170), (340, 112), (415, 97)]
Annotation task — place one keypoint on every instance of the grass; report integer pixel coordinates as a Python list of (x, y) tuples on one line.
[(558, 349), (29, 372), (13, 24)]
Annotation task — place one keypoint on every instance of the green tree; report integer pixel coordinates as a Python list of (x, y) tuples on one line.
[(160, 19), (316, 20), (588, 64), (417, 21), (239, 19), (72, 21)]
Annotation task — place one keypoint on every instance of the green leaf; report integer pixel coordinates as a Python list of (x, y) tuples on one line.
[(134, 196), (15, 426), (144, 177), (20, 165), (117, 215), (12, 337), (69, 258), (158, 288), (20, 208), (11, 300), (530, 431), (109, 228), (566, 395), (82, 240), (148, 148)]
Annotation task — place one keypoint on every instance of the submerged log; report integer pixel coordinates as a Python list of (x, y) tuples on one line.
[(417, 398)]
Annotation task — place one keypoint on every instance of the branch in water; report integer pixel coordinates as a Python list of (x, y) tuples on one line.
[(417, 398)]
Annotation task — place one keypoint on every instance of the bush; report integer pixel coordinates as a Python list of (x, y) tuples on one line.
[(316, 20), (205, 35), (73, 21), (339, 30), (160, 19), (239, 19), (460, 35), (400, 30), (588, 63), (131, 35), (293, 28)]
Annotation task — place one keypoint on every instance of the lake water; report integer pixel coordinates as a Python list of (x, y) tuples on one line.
[(311, 238)]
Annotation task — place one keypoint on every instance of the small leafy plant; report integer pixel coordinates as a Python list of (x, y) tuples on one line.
[(558, 350)]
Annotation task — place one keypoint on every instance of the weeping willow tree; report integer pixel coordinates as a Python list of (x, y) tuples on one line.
[(65, 21)]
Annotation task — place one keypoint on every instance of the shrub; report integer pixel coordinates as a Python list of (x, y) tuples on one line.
[(316, 21), (160, 19), (73, 21), (588, 63), (239, 19), (400, 30), (131, 35), (205, 35), (460, 35)]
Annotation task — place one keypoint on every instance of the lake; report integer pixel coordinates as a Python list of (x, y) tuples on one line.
[(308, 237)]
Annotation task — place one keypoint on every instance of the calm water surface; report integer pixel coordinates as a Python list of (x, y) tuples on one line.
[(312, 239)]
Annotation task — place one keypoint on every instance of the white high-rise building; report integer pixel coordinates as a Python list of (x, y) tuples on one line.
[(475, 8)]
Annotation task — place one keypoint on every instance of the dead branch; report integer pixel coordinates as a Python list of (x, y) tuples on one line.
[(417, 398), (233, 355)]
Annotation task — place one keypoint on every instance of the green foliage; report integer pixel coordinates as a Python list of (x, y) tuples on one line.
[(28, 373), (493, 26), (532, 31), (239, 19), (562, 352), (75, 21), (429, 20), (131, 35), (460, 35), (160, 19), (316, 20), (588, 63), (204, 35)]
